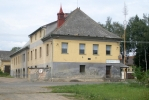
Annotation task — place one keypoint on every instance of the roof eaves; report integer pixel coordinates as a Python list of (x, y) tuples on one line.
[(102, 38)]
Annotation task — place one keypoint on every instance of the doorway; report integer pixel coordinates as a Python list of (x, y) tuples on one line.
[(108, 71), (82, 68), (7, 69), (23, 72)]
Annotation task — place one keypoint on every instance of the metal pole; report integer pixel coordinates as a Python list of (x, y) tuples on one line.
[(145, 60), (125, 23), (124, 45)]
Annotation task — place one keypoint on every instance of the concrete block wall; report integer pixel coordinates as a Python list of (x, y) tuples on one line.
[(35, 74)]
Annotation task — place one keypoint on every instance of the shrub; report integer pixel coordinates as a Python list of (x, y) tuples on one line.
[(141, 76), (2, 74)]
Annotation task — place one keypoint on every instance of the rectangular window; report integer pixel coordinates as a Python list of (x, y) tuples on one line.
[(35, 53), (40, 52), (82, 49), (95, 49), (23, 57), (40, 33), (16, 60), (82, 68), (31, 55), (64, 47), (47, 49), (31, 38), (28, 56), (108, 49), (35, 36)]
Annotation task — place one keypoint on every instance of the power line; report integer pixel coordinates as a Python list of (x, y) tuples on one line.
[(135, 41)]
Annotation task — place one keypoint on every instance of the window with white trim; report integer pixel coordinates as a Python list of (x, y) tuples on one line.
[(95, 49), (108, 49), (82, 49), (64, 47)]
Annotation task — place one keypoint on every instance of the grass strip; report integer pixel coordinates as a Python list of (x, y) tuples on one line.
[(106, 91)]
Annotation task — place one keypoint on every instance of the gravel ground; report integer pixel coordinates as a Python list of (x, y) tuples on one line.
[(22, 89)]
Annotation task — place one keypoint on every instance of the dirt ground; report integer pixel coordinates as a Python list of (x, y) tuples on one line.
[(21, 89)]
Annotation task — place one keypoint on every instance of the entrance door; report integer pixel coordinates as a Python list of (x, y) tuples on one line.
[(7, 69), (108, 71)]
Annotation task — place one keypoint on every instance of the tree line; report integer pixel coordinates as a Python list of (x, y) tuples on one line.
[(137, 37)]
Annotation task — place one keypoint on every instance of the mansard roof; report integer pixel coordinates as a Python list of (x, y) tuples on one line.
[(4, 55), (80, 24)]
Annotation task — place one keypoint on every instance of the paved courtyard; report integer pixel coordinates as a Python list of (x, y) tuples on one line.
[(22, 89)]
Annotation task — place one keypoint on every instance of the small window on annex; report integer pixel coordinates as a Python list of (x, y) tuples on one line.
[(82, 49), (108, 49), (64, 47), (95, 49)]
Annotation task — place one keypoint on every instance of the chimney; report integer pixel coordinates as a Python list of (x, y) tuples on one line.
[(60, 18)]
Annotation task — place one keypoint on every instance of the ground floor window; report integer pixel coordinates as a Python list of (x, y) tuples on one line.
[(82, 68), (24, 72)]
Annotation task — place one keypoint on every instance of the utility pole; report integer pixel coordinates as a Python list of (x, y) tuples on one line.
[(145, 59), (125, 24)]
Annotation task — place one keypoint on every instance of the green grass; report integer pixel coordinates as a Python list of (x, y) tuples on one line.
[(4, 74), (113, 91)]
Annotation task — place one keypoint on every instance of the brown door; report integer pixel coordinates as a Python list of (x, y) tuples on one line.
[(7, 69), (108, 71)]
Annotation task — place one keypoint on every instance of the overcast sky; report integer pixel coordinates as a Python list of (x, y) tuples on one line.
[(19, 18)]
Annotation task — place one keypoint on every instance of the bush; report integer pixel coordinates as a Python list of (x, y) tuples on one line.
[(141, 76), (2, 74)]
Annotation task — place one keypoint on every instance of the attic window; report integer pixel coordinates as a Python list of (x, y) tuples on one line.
[(40, 33), (35, 36), (31, 38)]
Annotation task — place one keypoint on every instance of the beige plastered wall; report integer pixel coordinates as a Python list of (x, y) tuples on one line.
[(73, 51)]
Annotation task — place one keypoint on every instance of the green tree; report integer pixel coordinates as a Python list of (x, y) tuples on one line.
[(15, 49), (116, 28), (137, 35)]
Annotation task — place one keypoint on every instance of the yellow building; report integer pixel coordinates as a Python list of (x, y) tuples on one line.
[(5, 61), (73, 47)]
